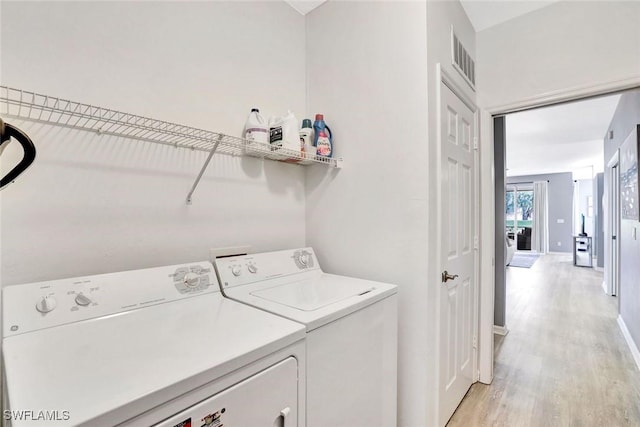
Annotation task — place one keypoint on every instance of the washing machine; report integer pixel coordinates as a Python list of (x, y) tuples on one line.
[(351, 329), (155, 347)]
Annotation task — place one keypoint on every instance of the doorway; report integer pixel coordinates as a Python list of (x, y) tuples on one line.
[(562, 287), (519, 205), (560, 146)]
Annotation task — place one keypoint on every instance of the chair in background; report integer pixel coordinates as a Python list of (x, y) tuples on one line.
[(524, 239)]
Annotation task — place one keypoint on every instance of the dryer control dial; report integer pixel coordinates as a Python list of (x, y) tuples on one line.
[(252, 268), (191, 280), (236, 270), (46, 304), (82, 300)]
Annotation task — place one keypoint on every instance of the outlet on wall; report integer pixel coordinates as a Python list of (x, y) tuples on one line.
[(559, 243), (560, 221)]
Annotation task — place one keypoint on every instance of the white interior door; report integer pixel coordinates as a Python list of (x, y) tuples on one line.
[(457, 251)]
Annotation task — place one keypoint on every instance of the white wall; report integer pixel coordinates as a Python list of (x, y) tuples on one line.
[(2, 397), (367, 72), (93, 204), (375, 218), (624, 121), (564, 45)]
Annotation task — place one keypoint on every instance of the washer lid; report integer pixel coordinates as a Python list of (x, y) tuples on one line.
[(312, 298), (107, 370), (315, 292), (290, 283)]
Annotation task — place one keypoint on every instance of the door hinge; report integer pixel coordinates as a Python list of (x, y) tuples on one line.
[(476, 243), (475, 342), (475, 142)]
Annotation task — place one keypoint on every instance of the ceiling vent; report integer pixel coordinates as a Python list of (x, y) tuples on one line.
[(462, 61)]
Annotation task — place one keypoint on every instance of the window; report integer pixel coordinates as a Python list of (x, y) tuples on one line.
[(525, 208), (518, 209), (510, 212)]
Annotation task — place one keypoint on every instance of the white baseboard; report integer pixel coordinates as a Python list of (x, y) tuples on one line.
[(627, 336), (604, 287), (600, 269), (559, 253), (500, 330)]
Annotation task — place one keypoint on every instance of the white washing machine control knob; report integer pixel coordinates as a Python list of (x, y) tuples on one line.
[(303, 258), (82, 300), (46, 304), (191, 280), (252, 268), (236, 270)]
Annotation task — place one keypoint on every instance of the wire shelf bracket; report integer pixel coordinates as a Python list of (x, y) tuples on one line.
[(21, 104), (204, 167)]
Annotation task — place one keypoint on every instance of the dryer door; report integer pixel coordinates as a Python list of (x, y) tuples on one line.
[(267, 399)]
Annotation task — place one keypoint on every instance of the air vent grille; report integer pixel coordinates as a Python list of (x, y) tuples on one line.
[(462, 61)]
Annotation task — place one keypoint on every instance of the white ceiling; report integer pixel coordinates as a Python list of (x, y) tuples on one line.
[(304, 6), (482, 14), (485, 14), (562, 138)]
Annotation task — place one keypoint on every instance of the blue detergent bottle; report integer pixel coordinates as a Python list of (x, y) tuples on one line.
[(322, 138)]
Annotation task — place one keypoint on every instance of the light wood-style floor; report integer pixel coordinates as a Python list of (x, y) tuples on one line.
[(564, 361)]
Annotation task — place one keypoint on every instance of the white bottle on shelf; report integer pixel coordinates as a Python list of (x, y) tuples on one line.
[(306, 141), (285, 138), (256, 132)]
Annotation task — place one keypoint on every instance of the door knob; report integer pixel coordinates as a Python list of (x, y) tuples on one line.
[(446, 276)]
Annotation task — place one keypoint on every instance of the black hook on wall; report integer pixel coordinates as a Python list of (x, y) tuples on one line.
[(7, 132)]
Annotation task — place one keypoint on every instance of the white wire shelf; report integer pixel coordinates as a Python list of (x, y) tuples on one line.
[(32, 106)]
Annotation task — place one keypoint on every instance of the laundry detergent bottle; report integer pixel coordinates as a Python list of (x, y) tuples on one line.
[(322, 138), (256, 128)]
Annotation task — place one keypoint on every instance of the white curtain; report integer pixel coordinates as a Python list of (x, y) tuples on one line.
[(540, 238)]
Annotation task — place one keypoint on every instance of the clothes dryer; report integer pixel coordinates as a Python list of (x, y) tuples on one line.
[(154, 347)]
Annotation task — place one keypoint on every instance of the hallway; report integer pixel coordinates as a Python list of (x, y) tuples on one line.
[(564, 361)]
